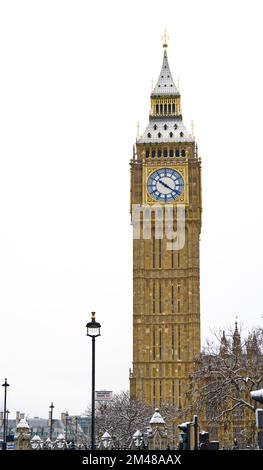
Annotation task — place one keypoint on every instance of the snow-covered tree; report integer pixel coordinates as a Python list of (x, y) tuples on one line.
[(226, 372), (122, 417)]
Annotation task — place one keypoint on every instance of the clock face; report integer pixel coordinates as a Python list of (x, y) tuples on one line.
[(165, 185)]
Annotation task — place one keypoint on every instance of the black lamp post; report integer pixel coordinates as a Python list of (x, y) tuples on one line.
[(7, 417), (76, 429), (93, 330), (4, 432), (51, 421), (66, 433)]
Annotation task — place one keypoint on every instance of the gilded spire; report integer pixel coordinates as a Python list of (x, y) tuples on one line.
[(165, 39)]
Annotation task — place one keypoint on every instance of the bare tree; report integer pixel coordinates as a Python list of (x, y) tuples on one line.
[(226, 372), (122, 416)]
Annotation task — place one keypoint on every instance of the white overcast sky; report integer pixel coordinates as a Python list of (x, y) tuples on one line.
[(75, 79)]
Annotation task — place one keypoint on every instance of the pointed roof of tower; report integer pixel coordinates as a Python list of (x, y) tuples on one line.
[(236, 332), (164, 127), (23, 424), (161, 129), (157, 418), (165, 84), (236, 346)]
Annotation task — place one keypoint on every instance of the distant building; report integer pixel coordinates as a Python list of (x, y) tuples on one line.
[(78, 427)]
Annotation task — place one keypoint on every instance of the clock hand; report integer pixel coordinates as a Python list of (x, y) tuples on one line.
[(166, 185)]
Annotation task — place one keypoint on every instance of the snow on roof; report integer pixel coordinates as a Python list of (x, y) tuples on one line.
[(137, 433), (106, 435), (157, 418), (36, 438), (257, 395), (22, 424), (61, 437)]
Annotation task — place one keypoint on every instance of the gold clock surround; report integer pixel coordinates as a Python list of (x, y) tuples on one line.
[(182, 169)]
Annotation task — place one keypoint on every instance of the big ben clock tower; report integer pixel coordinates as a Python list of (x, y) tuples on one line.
[(165, 173)]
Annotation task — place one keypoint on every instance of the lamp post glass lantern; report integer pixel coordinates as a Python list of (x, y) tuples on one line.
[(93, 331), (93, 327)]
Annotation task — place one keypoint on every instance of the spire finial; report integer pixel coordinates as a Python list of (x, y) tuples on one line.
[(178, 83), (138, 129), (165, 39), (193, 133)]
